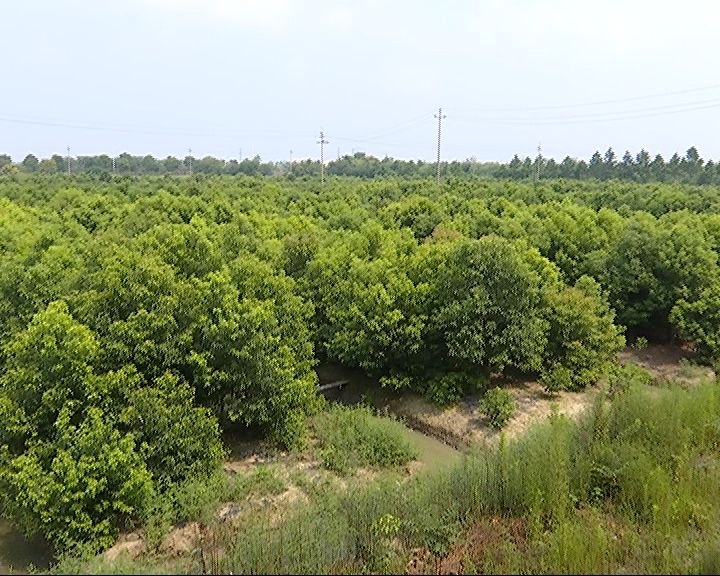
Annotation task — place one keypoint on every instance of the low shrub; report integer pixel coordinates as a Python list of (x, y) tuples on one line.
[(351, 437), (498, 406)]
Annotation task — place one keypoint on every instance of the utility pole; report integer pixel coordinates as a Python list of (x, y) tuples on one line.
[(440, 117), (68, 159), (322, 143)]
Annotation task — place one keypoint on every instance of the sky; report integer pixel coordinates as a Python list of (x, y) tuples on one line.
[(239, 78)]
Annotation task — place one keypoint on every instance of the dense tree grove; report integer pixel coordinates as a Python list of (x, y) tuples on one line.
[(140, 316), (688, 168)]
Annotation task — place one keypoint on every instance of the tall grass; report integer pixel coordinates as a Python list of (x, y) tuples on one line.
[(633, 487), (352, 436)]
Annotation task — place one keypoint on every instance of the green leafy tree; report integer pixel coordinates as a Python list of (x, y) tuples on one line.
[(698, 321), (487, 297), (30, 163), (81, 452), (582, 340), (66, 472), (79, 489), (177, 440)]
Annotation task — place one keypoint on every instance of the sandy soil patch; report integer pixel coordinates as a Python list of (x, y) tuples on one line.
[(667, 362), (463, 425), (131, 544)]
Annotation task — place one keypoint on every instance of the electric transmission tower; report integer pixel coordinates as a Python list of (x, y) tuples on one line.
[(440, 117), (322, 143), (68, 159), (539, 162)]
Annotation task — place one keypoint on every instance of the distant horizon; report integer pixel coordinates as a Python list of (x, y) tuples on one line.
[(619, 155), (266, 76)]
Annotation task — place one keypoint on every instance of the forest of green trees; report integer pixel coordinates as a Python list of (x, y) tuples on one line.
[(689, 168), (141, 316)]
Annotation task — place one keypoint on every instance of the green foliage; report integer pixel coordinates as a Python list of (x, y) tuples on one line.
[(498, 406), (177, 307), (50, 365), (486, 299), (699, 321), (641, 343), (418, 213), (368, 311), (314, 539), (633, 484), (177, 440), (125, 564), (622, 378), (583, 340), (197, 498), (448, 388), (79, 489), (351, 437), (83, 453)]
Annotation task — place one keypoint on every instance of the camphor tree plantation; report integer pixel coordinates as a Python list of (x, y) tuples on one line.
[(142, 316)]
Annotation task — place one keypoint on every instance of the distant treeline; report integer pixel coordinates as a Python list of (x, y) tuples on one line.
[(689, 168)]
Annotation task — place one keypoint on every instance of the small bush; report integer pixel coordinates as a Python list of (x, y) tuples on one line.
[(498, 406), (622, 378), (397, 382), (451, 387), (198, 498), (448, 388), (557, 379)]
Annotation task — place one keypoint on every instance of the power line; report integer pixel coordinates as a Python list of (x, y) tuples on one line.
[(398, 127), (604, 102), (227, 133), (607, 116)]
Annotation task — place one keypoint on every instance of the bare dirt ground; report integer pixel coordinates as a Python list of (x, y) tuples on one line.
[(463, 425), (667, 362), (460, 425)]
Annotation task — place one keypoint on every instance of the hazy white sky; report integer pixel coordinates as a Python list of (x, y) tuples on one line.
[(264, 76)]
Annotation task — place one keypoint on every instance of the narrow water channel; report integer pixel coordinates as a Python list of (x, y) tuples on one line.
[(19, 555), (361, 388)]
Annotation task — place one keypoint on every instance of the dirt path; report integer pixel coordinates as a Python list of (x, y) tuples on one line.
[(667, 362), (460, 425), (463, 425)]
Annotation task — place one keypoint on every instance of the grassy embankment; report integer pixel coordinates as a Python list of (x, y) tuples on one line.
[(633, 486)]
